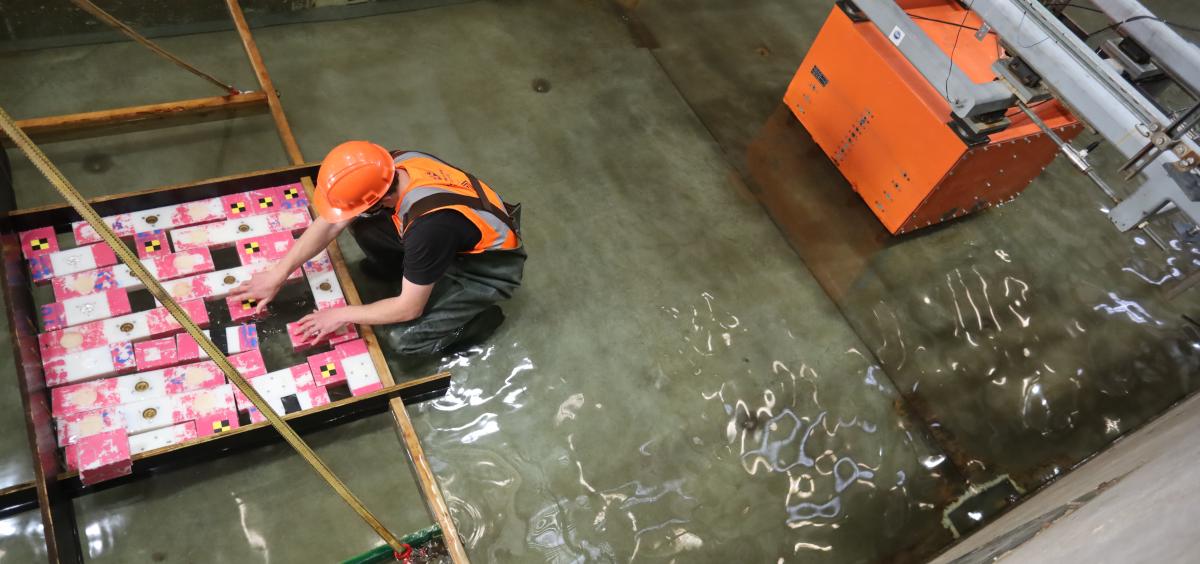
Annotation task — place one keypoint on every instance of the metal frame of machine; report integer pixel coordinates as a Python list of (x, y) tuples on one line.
[(1047, 57)]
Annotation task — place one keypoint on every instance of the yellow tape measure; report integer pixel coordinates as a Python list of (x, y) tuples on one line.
[(85, 210)]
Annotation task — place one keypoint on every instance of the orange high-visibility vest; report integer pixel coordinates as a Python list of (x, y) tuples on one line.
[(434, 185)]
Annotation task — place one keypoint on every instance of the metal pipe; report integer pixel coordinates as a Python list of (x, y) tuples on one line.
[(1174, 53)]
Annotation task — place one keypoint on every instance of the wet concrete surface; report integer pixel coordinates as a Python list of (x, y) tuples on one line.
[(673, 382)]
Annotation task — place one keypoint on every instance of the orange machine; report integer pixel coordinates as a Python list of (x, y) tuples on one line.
[(889, 131)]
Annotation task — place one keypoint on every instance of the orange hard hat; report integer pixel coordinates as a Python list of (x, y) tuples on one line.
[(353, 177)]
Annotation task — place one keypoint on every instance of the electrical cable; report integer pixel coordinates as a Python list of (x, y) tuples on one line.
[(1139, 18), (950, 70)]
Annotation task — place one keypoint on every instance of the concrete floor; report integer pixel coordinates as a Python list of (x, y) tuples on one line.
[(673, 382)]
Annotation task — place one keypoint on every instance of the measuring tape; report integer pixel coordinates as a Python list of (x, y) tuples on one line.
[(85, 210)]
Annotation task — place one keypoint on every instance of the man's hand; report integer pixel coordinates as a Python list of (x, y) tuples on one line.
[(261, 288), (319, 324)]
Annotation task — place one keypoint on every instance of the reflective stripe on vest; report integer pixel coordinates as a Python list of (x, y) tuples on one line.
[(430, 176)]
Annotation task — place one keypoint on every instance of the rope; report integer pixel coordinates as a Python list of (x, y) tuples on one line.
[(127, 256), (89, 7)]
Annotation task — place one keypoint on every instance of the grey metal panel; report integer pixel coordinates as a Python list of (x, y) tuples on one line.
[(1095, 92), (1177, 55), (965, 96)]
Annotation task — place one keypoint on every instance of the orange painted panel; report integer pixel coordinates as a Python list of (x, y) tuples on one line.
[(885, 127)]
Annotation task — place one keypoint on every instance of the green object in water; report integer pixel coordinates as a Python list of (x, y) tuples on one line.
[(385, 553)]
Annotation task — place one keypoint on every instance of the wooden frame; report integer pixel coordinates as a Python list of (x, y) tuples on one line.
[(54, 490), (53, 487)]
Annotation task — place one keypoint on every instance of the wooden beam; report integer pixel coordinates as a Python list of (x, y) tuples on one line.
[(435, 501), (432, 494), (264, 80), (22, 497), (91, 124)]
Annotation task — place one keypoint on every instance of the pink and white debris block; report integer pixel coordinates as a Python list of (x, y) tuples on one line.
[(232, 340), (82, 309), (210, 285), (86, 423), (225, 233), (249, 364), (38, 242), (294, 196), (104, 360), (163, 267), (306, 399), (213, 410), (157, 353), (200, 406), (71, 261), (361, 375), (266, 248), (101, 457), (178, 215), (254, 202), (109, 392), (241, 309), (132, 328), (121, 224), (151, 243), (302, 341), (165, 437), (322, 280), (327, 368), (286, 391)]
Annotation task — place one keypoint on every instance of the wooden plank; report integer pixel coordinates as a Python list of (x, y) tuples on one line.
[(264, 80), (434, 500), (57, 511), (22, 497), (138, 118)]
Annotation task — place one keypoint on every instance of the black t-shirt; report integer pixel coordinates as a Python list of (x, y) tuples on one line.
[(433, 241)]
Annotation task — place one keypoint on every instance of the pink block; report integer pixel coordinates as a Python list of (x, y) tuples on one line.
[(101, 457), (182, 263), (249, 364), (157, 353), (294, 196), (319, 263), (254, 202), (161, 438), (82, 309), (300, 342), (264, 249), (133, 328), (225, 233), (189, 377), (121, 224), (38, 242), (105, 360), (241, 309), (213, 410), (151, 243), (85, 396), (326, 368), (78, 425), (70, 261), (351, 348)]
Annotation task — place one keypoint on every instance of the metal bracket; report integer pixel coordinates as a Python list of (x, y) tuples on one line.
[(966, 98), (1024, 83)]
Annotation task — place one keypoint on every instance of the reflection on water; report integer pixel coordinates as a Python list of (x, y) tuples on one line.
[(719, 444)]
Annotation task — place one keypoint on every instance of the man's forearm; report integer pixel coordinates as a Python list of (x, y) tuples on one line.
[(313, 241), (382, 312)]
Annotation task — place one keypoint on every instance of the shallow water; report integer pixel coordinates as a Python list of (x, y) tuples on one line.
[(673, 382), (720, 446)]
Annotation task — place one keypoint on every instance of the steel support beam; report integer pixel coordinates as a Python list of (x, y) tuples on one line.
[(1096, 93), (966, 98), (1175, 54)]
